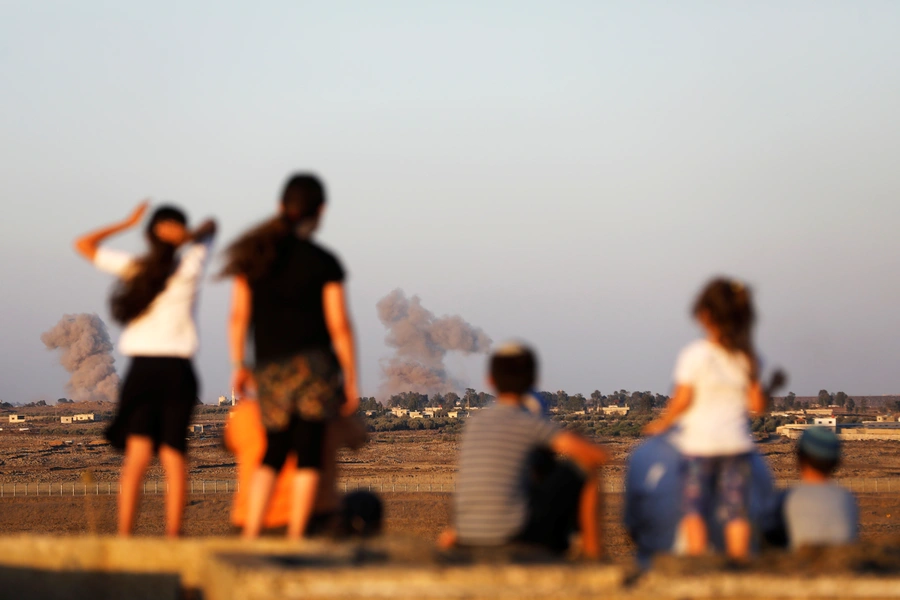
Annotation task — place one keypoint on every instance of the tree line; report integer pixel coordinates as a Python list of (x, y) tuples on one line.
[(413, 401)]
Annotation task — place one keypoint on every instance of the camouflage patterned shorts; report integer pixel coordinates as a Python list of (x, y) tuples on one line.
[(310, 385)]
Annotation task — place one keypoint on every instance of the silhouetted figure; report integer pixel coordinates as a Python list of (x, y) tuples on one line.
[(290, 292), (511, 486), (818, 511), (155, 301), (717, 385)]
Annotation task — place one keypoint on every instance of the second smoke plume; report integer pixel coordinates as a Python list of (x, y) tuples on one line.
[(421, 341), (86, 355)]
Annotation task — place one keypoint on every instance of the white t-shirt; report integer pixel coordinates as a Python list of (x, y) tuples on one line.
[(716, 423), (167, 327)]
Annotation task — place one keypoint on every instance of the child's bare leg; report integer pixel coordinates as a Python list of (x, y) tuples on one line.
[(589, 506), (260, 490), (306, 483), (737, 539), (138, 454), (695, 534), (176, 475)]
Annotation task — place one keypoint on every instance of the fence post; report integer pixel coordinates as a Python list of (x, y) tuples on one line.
[(204, 486), (156, 487), (14, 490)]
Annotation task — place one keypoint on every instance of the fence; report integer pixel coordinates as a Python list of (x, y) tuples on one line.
[(212, 486), (108, 488)]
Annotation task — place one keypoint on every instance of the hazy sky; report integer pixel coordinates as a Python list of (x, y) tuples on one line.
[(567, 173)]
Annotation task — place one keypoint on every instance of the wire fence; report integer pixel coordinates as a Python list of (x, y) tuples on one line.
[(219, 486)]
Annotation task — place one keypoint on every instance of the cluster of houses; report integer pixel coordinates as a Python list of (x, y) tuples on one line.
[(884, 427), (68, 419), (426, 413), (462, 413)]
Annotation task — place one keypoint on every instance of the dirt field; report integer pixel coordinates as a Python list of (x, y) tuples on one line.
[(399, 457)]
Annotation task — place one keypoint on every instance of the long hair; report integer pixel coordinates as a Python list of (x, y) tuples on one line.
[(253, 253), (729, 305), (133, 295)]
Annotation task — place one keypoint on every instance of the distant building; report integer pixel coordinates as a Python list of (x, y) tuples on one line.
[(66, 420), (431, 412), (224, 401), (16, 418), (195, 428), (414, 414), (399, 412), (453, 414), (616, 410), (370, 413), (830, 422), (83, 417)]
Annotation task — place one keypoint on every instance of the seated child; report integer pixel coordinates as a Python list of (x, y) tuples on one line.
[(507, 490), (246, 438), (818, 511), (717, 387)]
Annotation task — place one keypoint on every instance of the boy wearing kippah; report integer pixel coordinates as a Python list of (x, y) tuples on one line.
[(818, 511), (501, 495)]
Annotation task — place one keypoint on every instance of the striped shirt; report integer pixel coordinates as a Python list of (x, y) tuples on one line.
[(491, 501)]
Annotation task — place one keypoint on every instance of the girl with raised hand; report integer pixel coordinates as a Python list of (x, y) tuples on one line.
[(155, 301), (290, 291), (717, 387)]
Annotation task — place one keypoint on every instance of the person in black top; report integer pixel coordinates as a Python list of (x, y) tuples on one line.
[(290, 292)]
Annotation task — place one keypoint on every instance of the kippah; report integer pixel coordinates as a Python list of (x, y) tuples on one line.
[(821, 443)]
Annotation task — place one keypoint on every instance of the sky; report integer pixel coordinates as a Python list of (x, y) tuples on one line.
[(565, 173)]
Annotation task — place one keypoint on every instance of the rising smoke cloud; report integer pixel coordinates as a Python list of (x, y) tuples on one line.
[(86, 354), (421, 341)]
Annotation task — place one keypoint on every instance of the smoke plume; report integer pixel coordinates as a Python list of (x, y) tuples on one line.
[(86, 354), (421, 341)]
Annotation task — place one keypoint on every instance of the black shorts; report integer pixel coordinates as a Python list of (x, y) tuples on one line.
[(554, 495), (156, 401), (306, 439)]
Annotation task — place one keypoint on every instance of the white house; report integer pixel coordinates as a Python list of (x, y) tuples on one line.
[(16, 418), (195, 428), (453, 414), (616, 410), (65, 420), (83, 417), (826, 422), (399, 412), (414, 414)]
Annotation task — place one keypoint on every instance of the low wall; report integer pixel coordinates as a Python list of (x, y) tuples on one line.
[(51, 568)]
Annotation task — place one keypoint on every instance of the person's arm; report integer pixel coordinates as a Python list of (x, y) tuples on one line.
[(88, 244), (205, 232), (238, 324), (757, 399), (340, 329), (678, 405), (588, 455)]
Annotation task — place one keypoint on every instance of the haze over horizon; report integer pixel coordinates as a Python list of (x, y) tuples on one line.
[(568, 175)]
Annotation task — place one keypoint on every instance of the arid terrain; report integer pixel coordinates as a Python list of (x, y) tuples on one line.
[(50, 455)]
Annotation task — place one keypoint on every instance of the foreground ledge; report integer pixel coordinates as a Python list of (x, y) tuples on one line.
[(100, 568)]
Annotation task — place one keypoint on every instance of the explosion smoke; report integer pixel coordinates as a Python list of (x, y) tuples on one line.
[(421, 341), (86, 354)]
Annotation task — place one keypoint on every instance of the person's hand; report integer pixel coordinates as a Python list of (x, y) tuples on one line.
[(137, 215), (447, 539), (351, 404), (205, 230), (242, 380), (655, 427)]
